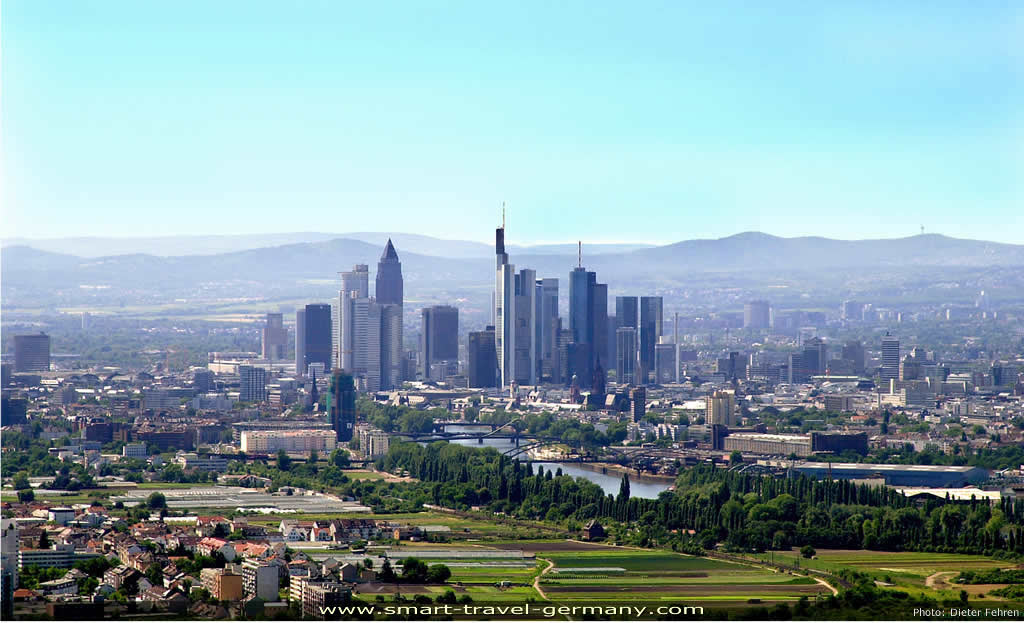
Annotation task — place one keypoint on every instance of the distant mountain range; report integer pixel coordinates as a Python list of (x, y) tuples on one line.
[(462, 266), (171, 246)]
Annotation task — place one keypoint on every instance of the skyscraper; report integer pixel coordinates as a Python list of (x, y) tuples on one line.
[(853, 351), (546, 335), (625, 348), (355, 284), (390, 289), (32, 352), (366, 332), (341, 405), (720, 408), (252, 384), (300, 342), (651, 326), (757, 315), (439, 336), (318, 336), (890, 358), (390, 292), (504, 309), (483, 361), (815, 356), (525, 350), (274, 338), (588, 321), (627, 311)]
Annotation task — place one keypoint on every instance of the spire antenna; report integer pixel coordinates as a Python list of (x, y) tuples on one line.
[(503, 215), (579, 253)]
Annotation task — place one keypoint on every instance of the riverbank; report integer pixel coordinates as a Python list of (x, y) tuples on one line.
[(612, 468)]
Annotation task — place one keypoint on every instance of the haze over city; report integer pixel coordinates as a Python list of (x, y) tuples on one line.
[(466, 311)]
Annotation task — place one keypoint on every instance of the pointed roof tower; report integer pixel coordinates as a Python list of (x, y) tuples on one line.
[(389, 252)]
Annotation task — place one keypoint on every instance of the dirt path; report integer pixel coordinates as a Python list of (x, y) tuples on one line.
[(935, 580), (834, 590), (536, 580)]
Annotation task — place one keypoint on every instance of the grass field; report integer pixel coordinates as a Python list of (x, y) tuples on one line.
[(587, 574), (911, 568)]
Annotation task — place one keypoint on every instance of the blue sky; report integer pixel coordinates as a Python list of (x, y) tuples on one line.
[(646, 121)]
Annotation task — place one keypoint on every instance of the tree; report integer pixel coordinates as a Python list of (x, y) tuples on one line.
[(387, 574), (26, 495), (624, 487), (21, 481), (156, 500), (807, 551), (438, 574), (284, 462), (44, 540), (155, 575), (736, 457)]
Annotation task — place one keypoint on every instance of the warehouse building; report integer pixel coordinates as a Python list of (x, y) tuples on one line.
[(897, 475)]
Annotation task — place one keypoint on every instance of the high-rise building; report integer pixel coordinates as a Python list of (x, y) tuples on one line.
[(588, 321), (341, 405), (627, 311), (483, 361), (504, 310), (32, 353), (853, 351), (525, 350), (546, 335), (366, 331), (300, 342), (638, 396), (720, 408), (318, 336), (275, 338), (252, 384), (815, 356), (850, 310), (391, 368), (890, 358), (651, 327), (355, 284), (390, 289), (625, 349), (757, 315), (439, 337), (665, 362)]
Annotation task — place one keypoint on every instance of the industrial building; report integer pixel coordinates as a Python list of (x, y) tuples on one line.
[(897, 475)]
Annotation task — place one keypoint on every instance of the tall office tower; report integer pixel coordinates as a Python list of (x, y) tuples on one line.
[(850, 310), (525, 350), (815, 356), (853, 351), (651, 326), (483, 362), (366, 351), (318, 336), (890, 358), (391, 369), (300, 342), (625, 348), (439, 337), (355, 284), (757, 315), (627, 311), (275, 338), (796, 373), (638, 396), (32, 353), (675, 341), (504, 310), (588, 321), (664, 361), (564, 367), (600, 316), (202, 381), (341, 405), (252, 384), (9, 545), (390, 290), (720, 408), (546, 336)]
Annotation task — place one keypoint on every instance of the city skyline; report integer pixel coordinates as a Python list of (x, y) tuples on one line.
[(824, 120)]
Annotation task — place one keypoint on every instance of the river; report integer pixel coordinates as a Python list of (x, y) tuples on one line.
[(639, 486)]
